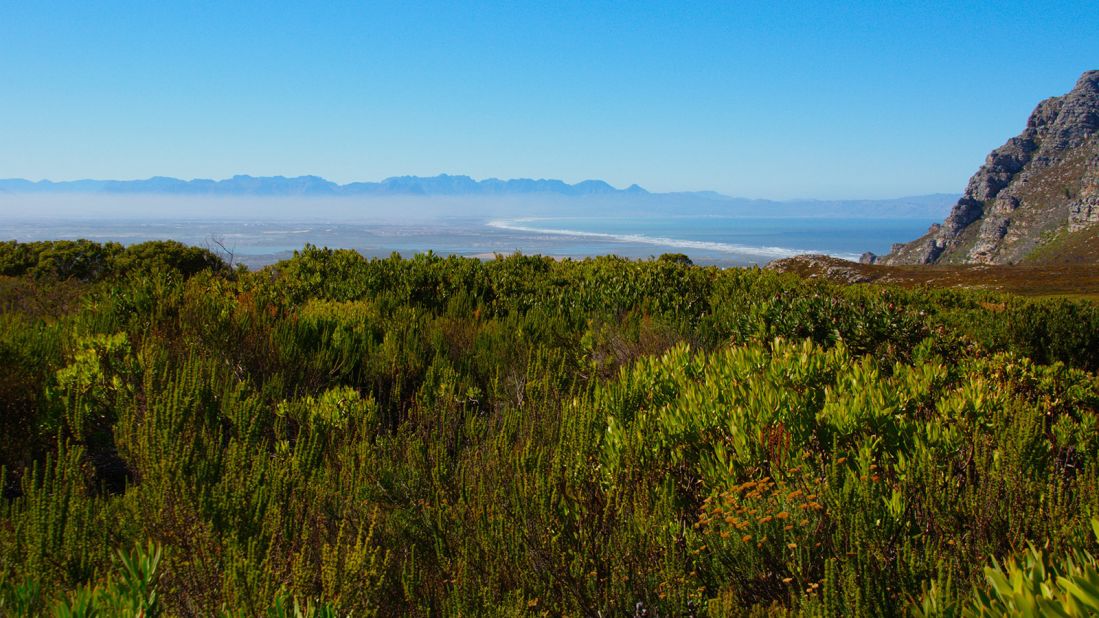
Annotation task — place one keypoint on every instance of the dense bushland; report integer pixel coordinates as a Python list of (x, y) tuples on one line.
[(335, 435)]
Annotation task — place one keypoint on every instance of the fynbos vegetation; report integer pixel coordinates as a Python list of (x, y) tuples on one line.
[(339, 436)]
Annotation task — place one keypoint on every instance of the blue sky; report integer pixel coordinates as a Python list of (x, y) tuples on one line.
[(767, 99)]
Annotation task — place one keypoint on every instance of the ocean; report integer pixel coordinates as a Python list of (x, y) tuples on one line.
[(706, 239)]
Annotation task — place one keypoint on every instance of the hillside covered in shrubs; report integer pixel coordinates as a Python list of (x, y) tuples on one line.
[(337, 436)]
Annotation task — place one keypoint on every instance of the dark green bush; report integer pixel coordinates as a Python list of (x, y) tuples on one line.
[(86, 261)]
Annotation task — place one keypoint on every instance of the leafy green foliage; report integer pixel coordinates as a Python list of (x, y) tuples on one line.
[(338, 436), (131, 591), (85, 260)]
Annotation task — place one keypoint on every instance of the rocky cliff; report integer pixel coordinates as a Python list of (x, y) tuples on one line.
[(1036, 198)]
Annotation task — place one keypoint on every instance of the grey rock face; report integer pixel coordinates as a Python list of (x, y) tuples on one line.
[(1083, 213), (1044, 179)]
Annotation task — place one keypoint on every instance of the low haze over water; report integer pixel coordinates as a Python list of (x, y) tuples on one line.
[(382, 227)]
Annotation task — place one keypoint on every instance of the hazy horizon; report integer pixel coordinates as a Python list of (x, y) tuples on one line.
[(57, 186), (398, 207)]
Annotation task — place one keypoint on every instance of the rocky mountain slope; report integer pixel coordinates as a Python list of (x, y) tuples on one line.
[(1036, 198)]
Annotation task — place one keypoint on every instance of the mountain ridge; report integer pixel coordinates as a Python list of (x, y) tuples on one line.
[(439, 185), (243, 184), (1035, 199), (928, 206)]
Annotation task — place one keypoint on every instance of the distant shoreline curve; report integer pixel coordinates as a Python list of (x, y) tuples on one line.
[(519, 225)]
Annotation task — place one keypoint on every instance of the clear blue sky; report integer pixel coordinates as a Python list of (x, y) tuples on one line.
[(767, 99)]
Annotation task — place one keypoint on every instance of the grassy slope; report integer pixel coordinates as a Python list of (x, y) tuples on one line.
[(1052, 273), (1074, 248)]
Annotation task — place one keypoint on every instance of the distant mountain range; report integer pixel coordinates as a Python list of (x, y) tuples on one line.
[(545, 195), (442, 184)]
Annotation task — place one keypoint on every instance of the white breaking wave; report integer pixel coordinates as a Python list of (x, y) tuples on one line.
[(519, 225)]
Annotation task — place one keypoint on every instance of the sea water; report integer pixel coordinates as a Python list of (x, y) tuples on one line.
[(717, 239), (706, 239)]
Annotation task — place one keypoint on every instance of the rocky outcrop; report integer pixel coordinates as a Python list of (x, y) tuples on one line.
[(1041, 183), (1083, 213), (812, 266)]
